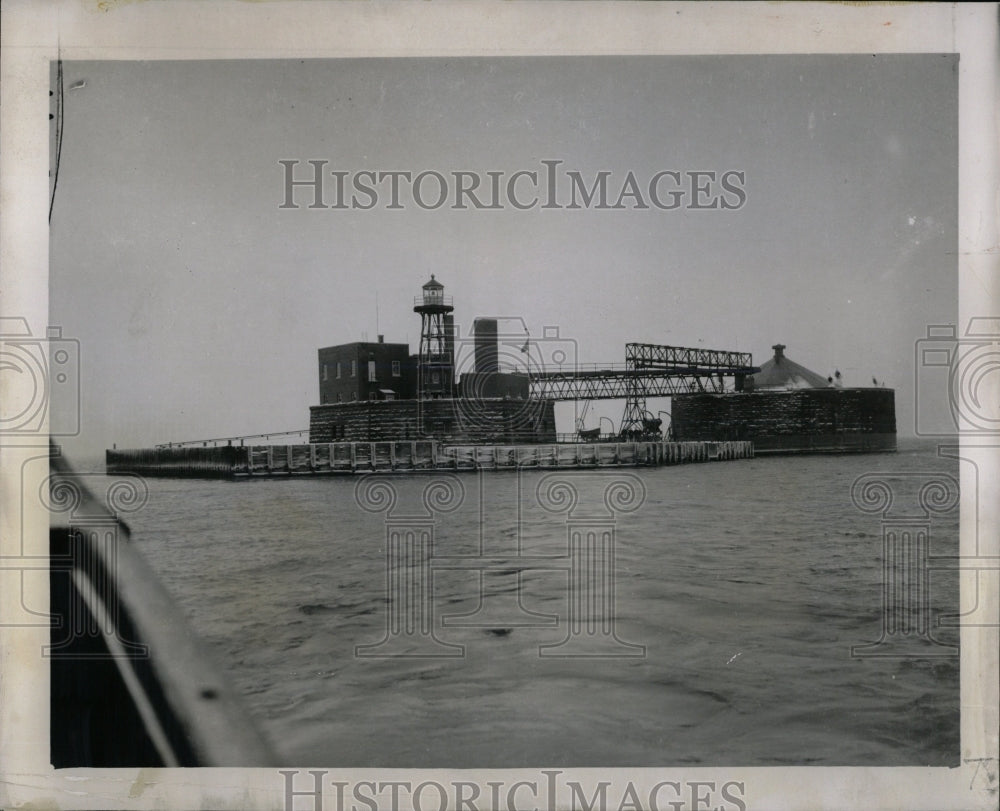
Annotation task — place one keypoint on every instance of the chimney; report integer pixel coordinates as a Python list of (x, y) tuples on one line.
[(487, 351), (381, 339), (779, 352)]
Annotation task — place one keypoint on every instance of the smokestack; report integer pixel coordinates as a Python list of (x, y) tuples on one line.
[(487, 350)]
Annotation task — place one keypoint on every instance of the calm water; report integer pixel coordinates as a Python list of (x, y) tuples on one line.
[(747, 582)]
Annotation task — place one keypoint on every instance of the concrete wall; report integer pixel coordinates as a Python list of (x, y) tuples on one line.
[(803, 420), (387, 456), (446, 420)]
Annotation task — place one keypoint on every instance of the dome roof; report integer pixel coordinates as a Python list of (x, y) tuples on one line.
[(433, 283), (781, 373)]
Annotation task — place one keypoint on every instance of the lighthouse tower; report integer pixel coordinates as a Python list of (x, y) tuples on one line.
[(436, 361)]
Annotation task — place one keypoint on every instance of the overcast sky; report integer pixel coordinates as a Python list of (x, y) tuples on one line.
[(200, 304)]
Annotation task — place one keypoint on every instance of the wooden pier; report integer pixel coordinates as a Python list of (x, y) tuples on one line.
[(326, 458)]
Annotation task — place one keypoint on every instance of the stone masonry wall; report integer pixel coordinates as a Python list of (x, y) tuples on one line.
[(446, 420), (800, 419)]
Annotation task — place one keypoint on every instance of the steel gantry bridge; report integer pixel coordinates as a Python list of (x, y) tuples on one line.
[(651, 370)]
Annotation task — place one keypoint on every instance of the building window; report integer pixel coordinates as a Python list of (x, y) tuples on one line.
[(395, 368), (325, 375), (354, 396), (326, 399), (372, 395), (340, 397), (338, 370), (354, 368), (371, 372), (436, 377)]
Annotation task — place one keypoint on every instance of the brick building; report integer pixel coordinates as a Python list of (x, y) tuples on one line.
[(366, 371)]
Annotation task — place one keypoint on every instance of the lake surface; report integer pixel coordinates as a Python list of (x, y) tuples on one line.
[(747, 583)]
